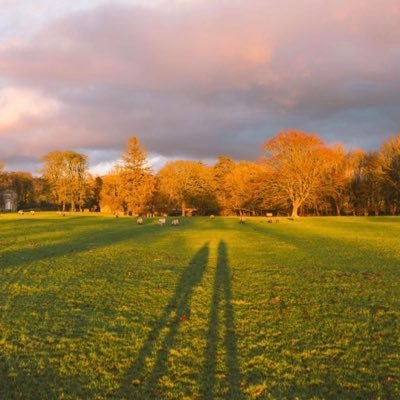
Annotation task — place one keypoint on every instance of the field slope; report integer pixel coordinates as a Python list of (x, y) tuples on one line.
[(100, 308)]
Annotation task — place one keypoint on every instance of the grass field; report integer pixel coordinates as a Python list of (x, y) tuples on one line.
[(100, 308)]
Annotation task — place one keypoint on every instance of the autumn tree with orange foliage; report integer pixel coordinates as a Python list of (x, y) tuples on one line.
[(221, 170), (299, 174), (244, 188), (136, 179), (186, 184), (298, 161), (390, 158), (66, 172), (111, 199)]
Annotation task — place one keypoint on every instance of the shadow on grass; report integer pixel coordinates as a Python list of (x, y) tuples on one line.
[(100, 234), (221, 302), (10, 228), (326, 251), (33, 382), (140, 383), (334, 302), (21, 376)]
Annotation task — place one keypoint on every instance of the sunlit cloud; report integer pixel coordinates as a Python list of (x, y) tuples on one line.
[(19, 104), (196, 79)]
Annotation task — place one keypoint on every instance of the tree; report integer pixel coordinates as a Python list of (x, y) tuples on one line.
[(187, 184), (53, 172), (221, 170), (1, 175), (298, 161), (77, 177), (110, 197), (42, 193), (66, 173), (93, 188), (338, 178), (390, 158), (367, 185), (244, 187), (22, 184), (137, 181)]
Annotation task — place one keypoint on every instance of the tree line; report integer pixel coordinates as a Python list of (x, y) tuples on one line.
[(297, 175)]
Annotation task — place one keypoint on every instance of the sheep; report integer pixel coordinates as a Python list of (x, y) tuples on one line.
[(139, 221), (162, 221), (212, 216), (175, 222), (242, 220), (21, 212)]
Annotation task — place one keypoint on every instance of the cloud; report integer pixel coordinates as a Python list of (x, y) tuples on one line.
[(19, 104), (199, 78)]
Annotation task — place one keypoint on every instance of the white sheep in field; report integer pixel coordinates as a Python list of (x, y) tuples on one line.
[(139, 221), (162, 221), (175, 222)]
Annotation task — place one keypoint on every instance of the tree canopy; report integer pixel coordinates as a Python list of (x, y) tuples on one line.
[(298, 175)]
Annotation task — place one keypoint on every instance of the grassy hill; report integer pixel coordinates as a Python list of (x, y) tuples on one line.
[(101, 308)]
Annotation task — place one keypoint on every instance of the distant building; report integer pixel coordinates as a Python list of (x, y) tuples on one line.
[(8, 200)]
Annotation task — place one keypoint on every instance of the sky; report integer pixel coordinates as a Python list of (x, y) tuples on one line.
[(193, 79)]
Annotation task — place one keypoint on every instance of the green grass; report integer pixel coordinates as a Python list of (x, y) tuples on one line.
[(100, 308)]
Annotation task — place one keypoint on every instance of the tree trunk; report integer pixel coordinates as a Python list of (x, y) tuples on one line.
[(295, 210), (183, 206)]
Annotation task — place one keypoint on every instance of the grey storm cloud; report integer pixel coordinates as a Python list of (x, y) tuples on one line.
[(197, 79)]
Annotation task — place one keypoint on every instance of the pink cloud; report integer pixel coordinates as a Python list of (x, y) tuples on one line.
[(209, 76)]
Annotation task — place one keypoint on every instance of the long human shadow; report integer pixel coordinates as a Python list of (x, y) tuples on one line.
[(221, 303), (25, 383), (175, 312)]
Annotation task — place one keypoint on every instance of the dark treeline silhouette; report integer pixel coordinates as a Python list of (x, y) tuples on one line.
[(298, 175)]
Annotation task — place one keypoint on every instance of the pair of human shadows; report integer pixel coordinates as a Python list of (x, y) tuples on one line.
[(221, 304), (178, 308)]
